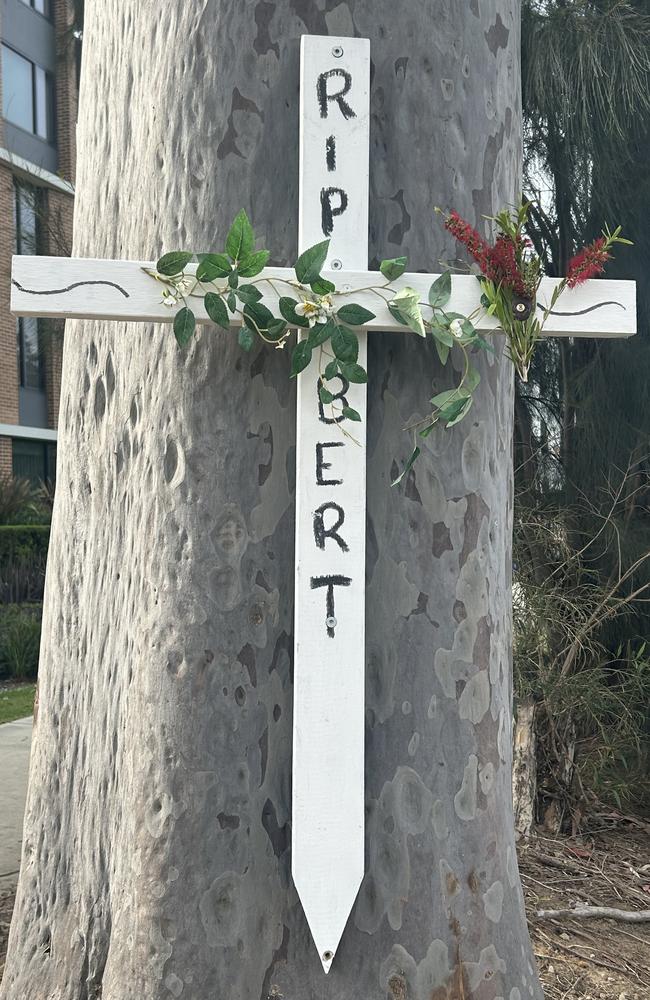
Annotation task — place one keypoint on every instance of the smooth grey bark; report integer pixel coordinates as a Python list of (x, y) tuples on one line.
[(156, 857)]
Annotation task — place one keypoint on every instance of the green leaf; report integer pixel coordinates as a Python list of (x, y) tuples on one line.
[(241, 239), (258, 316), (276, 329), (320, 333), (173, 263), (325, 395), (442, 334), (233, 279), (407, 302), (248, 293), (351, 414), (322, 286), (345, 344), (472, 379), (394, 311), (213, 265), (485, 345), (331, 370), (309, 264), (216, 310), (246, 338), (288, 309), (424, 433), (253, 264), (393, 268), (354, 314), (354, 373), (440, 291), (449, 395), (443, 351), (414, 454), (301, 357), (231, 301), (184, 325), (461, 410)]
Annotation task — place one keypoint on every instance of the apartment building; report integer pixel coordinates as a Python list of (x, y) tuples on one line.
[(38, 84)]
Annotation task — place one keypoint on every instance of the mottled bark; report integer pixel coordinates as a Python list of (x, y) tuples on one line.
[(156, 859)]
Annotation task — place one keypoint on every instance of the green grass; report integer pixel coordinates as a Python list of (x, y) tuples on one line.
[(16, 703)]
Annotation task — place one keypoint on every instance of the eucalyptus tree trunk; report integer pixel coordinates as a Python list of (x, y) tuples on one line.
[(157, 832)]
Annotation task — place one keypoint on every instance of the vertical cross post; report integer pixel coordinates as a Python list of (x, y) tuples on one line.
[(329, 664)]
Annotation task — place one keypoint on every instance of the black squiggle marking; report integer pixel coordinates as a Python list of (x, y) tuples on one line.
[(60, 291), (580, 312), (330, 153)]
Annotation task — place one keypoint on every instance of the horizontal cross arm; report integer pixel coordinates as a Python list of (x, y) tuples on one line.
[(121, 290)]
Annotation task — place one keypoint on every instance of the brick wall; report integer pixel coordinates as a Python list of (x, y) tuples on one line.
[(66, 88)]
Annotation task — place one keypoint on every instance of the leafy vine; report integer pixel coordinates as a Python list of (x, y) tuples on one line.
[(231, 286)]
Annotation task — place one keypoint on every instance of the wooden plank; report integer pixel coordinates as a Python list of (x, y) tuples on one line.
[(329, 664), (125, 292)]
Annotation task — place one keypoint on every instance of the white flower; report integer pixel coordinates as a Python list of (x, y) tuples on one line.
[(317, 311), (456, 328), (169, 298)]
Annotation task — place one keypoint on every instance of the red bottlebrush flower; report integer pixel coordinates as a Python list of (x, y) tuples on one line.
[(468, 236), (588, 262), (502, 268)]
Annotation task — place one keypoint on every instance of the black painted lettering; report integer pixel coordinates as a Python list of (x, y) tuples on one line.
[(321, 532), (330, 582), (324, 95), (320, 464), (329, 211), (345, 385), (330, 153)]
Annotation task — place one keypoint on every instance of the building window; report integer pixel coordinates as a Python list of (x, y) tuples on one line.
[(27, 94), (42, 6), (28, 212), (34, 460)]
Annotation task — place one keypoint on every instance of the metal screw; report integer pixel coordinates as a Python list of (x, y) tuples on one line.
[(327, 956), (337, 264), (330, 622), (337, 51), (347, 288)]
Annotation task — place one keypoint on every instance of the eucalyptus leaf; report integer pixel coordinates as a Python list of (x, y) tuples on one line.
[(350, 413), (241, 239), (472, 378), (393, 268), (173, 263), (216, 310), (213, 265), (325, 395), (253, 264), (460, 410), (414, 454), (443, 351), (310, 263), (443, 399), (331, 369), (442, 334), (287, 307), (300, 358), (345, 344), (184, 326), (276, 329), (231, 301), (354, 314), (440, 291), (233, 279), (246, 338)]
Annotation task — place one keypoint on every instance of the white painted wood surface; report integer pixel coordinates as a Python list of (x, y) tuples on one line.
[(327, 842), (35, 278)]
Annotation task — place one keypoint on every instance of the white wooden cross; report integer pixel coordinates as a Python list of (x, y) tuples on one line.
[(329, 668)]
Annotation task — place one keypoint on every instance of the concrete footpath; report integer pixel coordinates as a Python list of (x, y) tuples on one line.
[(15, 743)]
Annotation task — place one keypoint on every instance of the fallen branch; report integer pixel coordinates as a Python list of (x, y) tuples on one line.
[(609, 912)]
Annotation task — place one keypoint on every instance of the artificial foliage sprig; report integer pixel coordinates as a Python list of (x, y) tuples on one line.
[(511, 274)]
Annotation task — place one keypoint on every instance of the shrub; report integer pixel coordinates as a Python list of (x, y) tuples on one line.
[(16, 497), (20, 639), (23, 556)]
